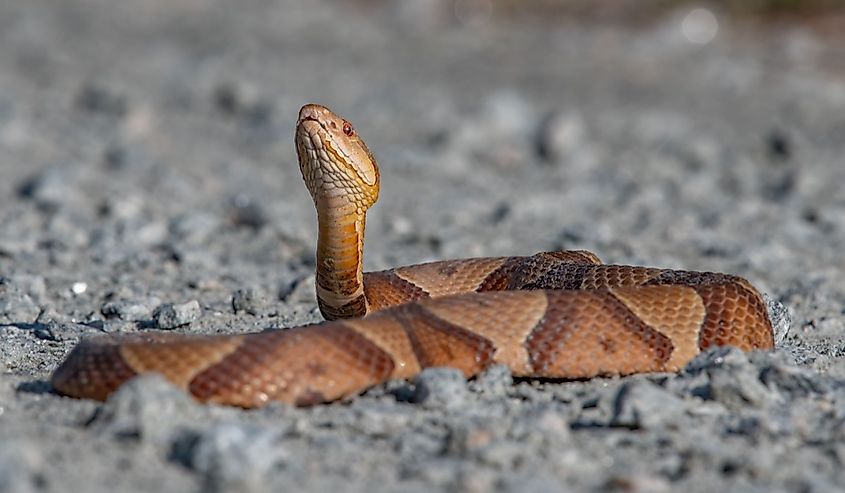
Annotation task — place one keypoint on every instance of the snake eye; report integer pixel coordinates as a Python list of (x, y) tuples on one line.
[(347, 129)]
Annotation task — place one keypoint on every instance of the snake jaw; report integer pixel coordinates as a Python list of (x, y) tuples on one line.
[(332, 161)]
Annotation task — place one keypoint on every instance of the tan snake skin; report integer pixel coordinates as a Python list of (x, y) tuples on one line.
[(550, 315)]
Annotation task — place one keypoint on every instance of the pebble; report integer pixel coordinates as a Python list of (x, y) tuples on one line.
[(170, 316), (791, 380), (738, 389), (237, 457), (247, 212), (194, 228), (440, 388), (20, 463), (641, 404), (52, 188), (733, 380), (717, 357), (127, 310), (251, 300), (124, 207), (60, 331), (13, 247), (499, 136), (243, 101), (16, 307), (494, 381), (560, 135), (116, 326), (147, 408), (381, 421), (468, 438), (33, 285), (551, 424), (779, 315), (99, 99)]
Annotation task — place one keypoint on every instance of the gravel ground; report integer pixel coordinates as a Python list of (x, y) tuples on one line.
[(148, 180)]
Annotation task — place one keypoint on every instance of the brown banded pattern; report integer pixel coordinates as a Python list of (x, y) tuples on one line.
[(386, 289), (305, 365), (556, 334), (589, 333), (437, 342), (94, 369)]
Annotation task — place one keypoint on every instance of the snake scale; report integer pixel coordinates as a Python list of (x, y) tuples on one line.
[(550, 315)]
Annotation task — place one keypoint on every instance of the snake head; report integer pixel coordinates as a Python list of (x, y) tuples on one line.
[(333, 158)]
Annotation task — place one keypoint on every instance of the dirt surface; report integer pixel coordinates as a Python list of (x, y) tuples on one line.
[(146, 159)]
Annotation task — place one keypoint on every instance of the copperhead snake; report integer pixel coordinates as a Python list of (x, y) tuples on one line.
[(551, 315)]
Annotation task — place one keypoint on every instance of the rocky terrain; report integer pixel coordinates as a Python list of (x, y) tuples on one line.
[(148, 181)]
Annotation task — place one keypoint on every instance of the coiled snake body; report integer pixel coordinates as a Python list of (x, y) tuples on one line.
[(556, 314)]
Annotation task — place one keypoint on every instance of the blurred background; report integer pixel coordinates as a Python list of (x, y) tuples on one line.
[(147, 158)]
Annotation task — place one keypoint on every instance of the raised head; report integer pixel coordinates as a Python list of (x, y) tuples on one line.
[(333, 159)]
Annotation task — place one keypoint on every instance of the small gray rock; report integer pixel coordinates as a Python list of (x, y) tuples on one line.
[(51, 189), (552, 424), (738, 388), (717, 357), (440, 388), (15, 305), (502, 454), (50, 314), (498, 136), (508, 111), (251, 300), (116, 326), (13, 247), (102, 100), (494, 381), (20, 463), (732, 378), (194, 228), (643, 404), (237, 457), (146, 408), (300, 290), (170, 316), (793, 380), (247, 212), (124, 207), (779, 315), (466, 439), (61, 331), (33, 285), (241, 100), (130, 310), (560, 134), (381, 421)]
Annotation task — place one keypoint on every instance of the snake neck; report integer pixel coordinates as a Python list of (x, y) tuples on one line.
[(340, 250)]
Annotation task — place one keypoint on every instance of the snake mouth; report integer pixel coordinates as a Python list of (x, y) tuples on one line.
[(311, 132), (308, 118)]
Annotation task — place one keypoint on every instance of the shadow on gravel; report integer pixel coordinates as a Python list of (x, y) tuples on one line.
[(38, 387), (34, 327)]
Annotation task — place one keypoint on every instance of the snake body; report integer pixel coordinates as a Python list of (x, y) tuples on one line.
[(550, 315)]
